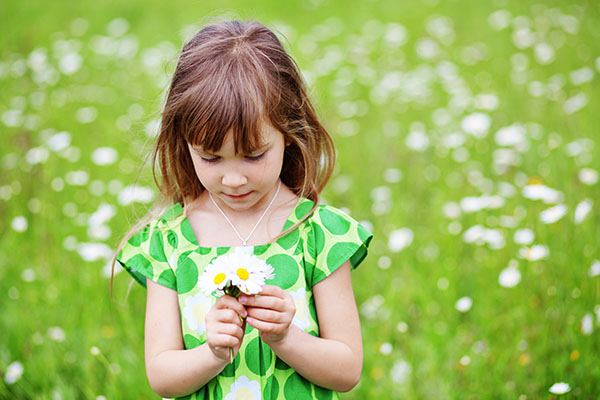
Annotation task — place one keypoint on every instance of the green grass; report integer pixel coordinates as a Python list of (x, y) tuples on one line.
[(512, 343)]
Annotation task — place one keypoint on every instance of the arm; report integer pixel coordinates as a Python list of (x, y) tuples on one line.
[(173, 371), (333, 360)]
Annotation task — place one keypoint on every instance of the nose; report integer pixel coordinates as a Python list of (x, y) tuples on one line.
[(234, 179)]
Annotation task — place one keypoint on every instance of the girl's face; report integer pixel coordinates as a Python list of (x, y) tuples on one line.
[(241, 181)]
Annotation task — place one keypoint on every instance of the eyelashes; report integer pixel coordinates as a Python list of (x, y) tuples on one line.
[(215, 159), (256, 157)]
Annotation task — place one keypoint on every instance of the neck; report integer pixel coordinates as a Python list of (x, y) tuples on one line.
[(246, 238)]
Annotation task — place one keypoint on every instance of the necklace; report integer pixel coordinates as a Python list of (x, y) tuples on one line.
[(244, 241)]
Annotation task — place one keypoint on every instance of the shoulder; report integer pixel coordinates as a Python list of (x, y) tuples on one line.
[(336, 222), (166, 219), (149, 236), (334, 237), (145, 254)]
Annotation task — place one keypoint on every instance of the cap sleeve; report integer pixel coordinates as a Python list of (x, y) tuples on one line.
[(334, 238), (143, 256)]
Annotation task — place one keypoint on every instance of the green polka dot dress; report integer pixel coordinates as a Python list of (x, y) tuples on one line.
[(167, 252)]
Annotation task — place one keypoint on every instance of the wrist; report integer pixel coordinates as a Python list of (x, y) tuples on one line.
[(216, 363), (281, 341)]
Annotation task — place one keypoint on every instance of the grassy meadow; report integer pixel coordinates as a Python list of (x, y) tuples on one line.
[(468, 137)]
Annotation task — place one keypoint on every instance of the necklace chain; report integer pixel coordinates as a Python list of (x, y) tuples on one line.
[(244, 241)]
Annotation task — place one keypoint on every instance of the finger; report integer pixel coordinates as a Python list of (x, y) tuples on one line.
[(263, 326), (232, 303), (224, 340), (228, 316), (266, 315), (272, 290), (231, 330), (266, 301)]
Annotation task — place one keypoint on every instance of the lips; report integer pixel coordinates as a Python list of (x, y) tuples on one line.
[(237, 197)]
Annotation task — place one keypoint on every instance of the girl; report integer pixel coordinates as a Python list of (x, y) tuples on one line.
[(242, 158)]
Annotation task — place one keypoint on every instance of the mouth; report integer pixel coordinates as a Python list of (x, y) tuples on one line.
[(237, 197)]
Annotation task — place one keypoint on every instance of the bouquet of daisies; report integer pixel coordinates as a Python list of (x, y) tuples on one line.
[(234, 274)]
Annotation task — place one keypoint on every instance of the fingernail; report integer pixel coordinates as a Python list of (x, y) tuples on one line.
[(243, 299)]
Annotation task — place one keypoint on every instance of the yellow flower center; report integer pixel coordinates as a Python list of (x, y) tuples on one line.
[(243, 273), (219, 278)]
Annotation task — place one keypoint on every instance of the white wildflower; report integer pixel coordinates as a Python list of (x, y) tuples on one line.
[(588, 176), (104, 156), (77, 178), (553, 214), (582, 75), (523, 236), (135, 193), (534, 253), (94, 251), (476, 124), (37, 155), (575, 103), (19, 224), (399, 239), (542, 192), (544, 53), (512, 135), (417, 140), (14, 372), (560, 388), (451, 210), (386, 348), (57, 334), (594, 269), (464, 304), (587, 324), (582, 210), (400, 372), (509, 277), (59, 141), (474, 234), (70, 63)]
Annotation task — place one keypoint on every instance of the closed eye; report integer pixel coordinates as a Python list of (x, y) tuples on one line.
[(210, 159), (256, 157)]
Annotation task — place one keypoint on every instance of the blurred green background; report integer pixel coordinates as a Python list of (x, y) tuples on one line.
[(467, 134)]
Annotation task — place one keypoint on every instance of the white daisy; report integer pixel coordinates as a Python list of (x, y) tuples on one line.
[(215, 277), (249, 272), (241, 269), (245, 389)]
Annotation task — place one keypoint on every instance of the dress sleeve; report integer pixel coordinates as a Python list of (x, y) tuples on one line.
[(334, 239), (143, 256)]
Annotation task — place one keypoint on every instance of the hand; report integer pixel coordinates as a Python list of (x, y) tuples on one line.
[(225, 326), (271, 312)]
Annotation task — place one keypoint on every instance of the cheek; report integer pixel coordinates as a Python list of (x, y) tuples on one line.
[(202, 172)]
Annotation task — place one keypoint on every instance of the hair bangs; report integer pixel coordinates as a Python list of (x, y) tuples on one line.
[(235, 99)]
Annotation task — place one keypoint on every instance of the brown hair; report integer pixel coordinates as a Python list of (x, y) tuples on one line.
[(235, 75)]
